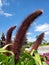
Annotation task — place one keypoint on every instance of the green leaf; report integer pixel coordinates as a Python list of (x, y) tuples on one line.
[(6, 60), (11, 61), (3, 59), (31, 62), (44, 63), (22, 63), (37, 58)]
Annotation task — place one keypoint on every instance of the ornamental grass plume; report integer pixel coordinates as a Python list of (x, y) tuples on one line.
[(19, 37), (8, 36), (18, 41), (37, 42)]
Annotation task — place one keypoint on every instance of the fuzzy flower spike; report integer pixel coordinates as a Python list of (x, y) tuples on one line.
[(37, 43), (19, 38), (8, 36)]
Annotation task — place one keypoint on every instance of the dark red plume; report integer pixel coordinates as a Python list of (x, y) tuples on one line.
[(8, 36), (37, 42), (18, 41)]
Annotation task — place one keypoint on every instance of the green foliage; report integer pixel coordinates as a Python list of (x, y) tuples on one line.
[(4, 59), (25, 58)]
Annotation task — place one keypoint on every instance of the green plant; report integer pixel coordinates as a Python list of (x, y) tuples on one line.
[(25, 58), (11, 52), (4, 59)]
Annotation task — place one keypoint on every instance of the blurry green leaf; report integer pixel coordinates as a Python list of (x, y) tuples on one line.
[(31, 62), (38, 59), (44, 63)]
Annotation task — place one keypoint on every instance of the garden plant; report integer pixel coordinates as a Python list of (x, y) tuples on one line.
[(11, 53)]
